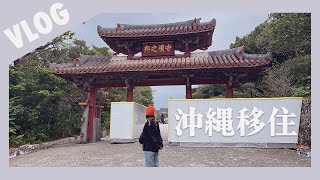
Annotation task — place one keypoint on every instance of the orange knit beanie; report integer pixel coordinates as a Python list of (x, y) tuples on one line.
[(150, 111)]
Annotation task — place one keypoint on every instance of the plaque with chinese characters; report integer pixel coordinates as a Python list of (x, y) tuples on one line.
[(252, 120), (157, 49)]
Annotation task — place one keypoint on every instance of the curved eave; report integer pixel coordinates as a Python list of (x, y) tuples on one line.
[(179, 28), (150, 34), (93, 71), (231, 59)]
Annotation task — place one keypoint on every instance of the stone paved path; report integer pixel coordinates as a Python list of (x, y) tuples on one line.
[(130, 155), (104, 154)]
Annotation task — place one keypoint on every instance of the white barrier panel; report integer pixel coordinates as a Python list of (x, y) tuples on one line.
[(126, 121), (242, 121), (139, 116)]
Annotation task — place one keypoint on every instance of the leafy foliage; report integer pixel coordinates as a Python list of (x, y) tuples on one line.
[(141, 95), (42, 100), (62, 49), (14, 109), (209, 91), (278, 81), (288, 37), (44, 107), (289, 34)]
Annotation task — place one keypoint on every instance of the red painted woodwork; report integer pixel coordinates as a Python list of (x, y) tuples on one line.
[(159, 57), (129, 93), (234, 60), (159, 66), (92, 112), (188, 89), (229, 90), (161, 83), (188, 36)]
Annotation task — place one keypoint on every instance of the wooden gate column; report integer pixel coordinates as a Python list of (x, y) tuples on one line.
[(129, 91), (229, 88), (188, 89), (92, 111)]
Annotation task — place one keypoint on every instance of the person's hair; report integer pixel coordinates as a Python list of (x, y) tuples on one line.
[(153, 119)]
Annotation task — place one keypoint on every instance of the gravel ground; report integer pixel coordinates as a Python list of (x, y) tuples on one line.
[(104, 154)]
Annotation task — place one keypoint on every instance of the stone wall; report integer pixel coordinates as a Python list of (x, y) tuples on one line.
[(305, 124), (28, 148)]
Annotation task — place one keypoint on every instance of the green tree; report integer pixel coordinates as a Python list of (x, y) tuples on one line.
[(63, 49), (14, 110), (288, 34), (43, 98), (209, 91), (49, 104), (143, 95), (250, 41), (278, 81), (288, 37)]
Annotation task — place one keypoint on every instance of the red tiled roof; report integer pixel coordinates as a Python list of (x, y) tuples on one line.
[(225, 59), (186, 27)]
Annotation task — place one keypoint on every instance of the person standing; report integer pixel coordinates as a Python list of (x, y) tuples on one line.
[(162, 119), (151, 139)]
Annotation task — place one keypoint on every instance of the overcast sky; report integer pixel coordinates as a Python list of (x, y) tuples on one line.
[(228, 27)]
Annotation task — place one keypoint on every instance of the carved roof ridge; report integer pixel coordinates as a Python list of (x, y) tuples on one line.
[(130, 27), (239, 52), (134, 26)]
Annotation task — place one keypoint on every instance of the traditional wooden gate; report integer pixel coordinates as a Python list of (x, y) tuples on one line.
[(159, 63)]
